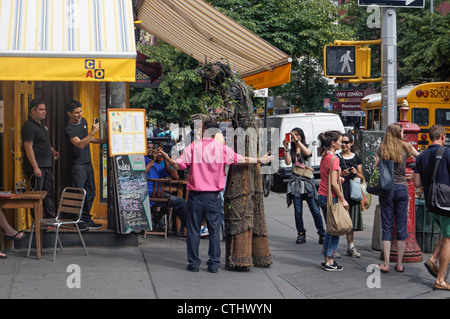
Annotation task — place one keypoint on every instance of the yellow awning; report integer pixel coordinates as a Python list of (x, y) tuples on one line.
[(204, 33), (55, 40)]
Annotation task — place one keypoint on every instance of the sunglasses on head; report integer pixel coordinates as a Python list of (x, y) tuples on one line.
[(345, 142)]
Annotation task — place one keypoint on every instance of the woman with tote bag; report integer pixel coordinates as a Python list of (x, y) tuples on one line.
[(395, 202), (330, 142)]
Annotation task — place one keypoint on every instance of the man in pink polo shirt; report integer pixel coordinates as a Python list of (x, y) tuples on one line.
[(207, 159)]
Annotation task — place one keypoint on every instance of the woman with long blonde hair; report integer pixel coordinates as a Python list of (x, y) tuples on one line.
[(395, 202)]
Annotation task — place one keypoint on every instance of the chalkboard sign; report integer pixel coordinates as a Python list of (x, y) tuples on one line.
[(133, 207)]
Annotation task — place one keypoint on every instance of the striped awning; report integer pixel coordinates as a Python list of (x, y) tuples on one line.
[(67, 40), (204, 33)]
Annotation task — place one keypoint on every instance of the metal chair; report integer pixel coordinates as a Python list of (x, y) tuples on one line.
[(157, 196), (69, 215)]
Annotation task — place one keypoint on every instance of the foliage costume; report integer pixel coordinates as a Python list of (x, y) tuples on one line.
[(245, 223)]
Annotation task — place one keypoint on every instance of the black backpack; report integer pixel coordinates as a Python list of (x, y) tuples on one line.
[(438, 199)]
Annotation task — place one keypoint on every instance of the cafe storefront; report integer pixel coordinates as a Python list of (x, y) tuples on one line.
[(58, 51)]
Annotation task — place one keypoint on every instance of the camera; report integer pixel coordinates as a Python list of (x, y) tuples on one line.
[(95, 121)]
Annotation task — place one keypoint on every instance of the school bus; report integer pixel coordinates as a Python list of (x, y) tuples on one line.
[(429, 104)]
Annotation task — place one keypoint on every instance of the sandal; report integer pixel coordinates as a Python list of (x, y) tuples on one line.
[(2, 255), (445, 286), (15, 236), (396, 269), (383, 270)]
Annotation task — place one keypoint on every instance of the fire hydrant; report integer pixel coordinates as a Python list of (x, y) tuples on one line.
[(413, 253)]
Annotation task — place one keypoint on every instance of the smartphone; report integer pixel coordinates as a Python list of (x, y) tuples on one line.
[(288, 137), (95, 121)]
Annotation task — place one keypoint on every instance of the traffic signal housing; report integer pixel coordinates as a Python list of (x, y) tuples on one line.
[(348, 61)]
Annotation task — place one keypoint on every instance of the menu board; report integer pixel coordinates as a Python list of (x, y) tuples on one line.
[(133, 206), (126, 130)]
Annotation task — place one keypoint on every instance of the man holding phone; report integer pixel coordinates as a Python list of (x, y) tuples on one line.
[(79, 139)]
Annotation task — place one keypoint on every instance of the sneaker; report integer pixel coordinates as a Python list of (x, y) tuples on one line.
[(301, 238), (333, 267), (353, 253), (82, 225), (91, 225), (204, 231)]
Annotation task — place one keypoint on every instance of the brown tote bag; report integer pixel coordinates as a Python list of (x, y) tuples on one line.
[(338, 219)]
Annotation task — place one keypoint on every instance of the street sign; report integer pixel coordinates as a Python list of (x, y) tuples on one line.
[(261, 93), (393, 3), (347, 106), (348, 94), (326, 104)]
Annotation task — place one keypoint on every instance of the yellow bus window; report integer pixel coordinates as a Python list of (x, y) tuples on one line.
[(443, 117), (419, 116)]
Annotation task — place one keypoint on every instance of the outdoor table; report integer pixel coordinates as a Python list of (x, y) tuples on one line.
[(27, 200)]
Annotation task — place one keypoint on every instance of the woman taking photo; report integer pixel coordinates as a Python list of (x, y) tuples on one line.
[(395, 202), (330, 142), (301, 184), (351, 168)]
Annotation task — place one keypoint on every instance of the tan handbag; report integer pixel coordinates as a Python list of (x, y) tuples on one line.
[(338, 219)]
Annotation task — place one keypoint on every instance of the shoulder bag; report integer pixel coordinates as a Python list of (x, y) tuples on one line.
[(386, 174), (382, 178), (439, 194), (354, 186), (338, 218)]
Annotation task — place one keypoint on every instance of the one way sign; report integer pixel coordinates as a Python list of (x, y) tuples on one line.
[(394, 3)]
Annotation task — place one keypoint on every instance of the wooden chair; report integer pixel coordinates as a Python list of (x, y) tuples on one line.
[(157, 196)]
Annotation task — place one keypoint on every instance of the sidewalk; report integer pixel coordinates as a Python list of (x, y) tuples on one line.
[(156, 270)]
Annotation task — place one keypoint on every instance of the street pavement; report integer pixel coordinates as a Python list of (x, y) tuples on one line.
[(156, 270)]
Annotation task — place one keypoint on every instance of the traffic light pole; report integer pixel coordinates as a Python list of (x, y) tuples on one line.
[(389, 66)]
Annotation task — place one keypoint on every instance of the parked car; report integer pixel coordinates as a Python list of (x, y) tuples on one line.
[(312, 125)]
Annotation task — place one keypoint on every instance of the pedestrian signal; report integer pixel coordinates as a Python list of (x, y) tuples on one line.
[(348, 61), (339, 61)]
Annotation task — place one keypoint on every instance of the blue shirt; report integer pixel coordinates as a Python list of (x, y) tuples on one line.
[(156, 171), (167, 133)]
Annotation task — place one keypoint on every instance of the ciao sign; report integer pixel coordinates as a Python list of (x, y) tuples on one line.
[(94, 69)]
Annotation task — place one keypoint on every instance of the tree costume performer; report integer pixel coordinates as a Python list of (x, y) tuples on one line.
[(245, 223)]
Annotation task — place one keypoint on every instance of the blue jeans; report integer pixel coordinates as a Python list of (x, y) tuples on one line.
[(315, 212), (330, 242)]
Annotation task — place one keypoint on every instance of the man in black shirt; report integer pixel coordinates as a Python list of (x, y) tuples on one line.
[(39, 154), (82, 171)]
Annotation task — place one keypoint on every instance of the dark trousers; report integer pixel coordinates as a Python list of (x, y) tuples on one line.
[(394, 211), (203, 205), (83, 177), (45, 183)]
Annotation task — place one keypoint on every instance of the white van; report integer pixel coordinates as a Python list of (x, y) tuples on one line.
[(312, 125)]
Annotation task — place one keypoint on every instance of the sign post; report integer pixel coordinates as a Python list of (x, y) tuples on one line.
[(389, 53), (389, 66)]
